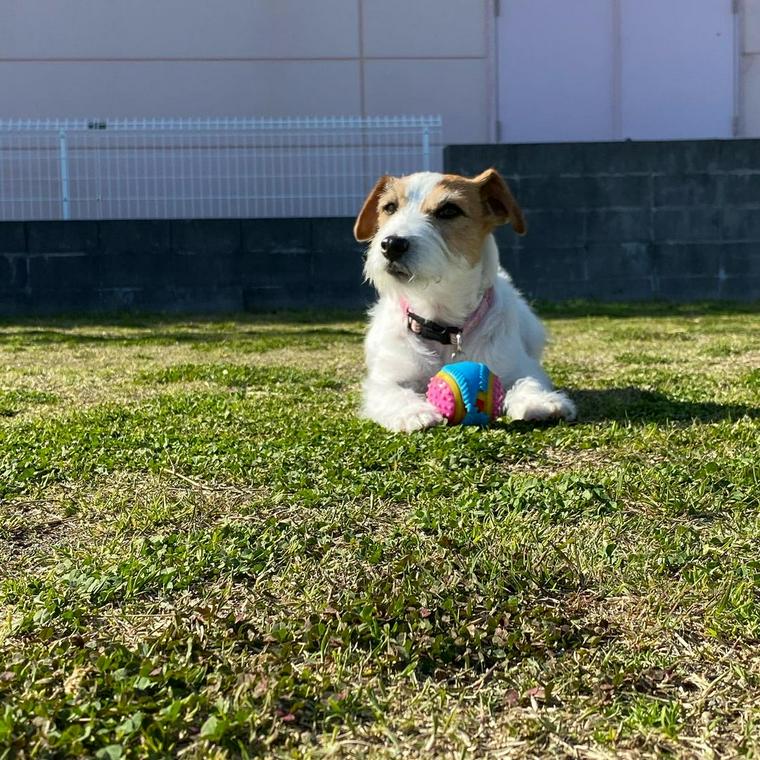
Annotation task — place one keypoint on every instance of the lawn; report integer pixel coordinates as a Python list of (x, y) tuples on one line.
[(203, 552)]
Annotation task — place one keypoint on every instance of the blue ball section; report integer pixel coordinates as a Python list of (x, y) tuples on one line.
[(471, 377)]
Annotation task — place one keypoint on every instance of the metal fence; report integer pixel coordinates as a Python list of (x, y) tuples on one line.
[(205, 168)]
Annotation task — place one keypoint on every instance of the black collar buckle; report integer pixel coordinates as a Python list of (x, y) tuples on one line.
[(430, 330)]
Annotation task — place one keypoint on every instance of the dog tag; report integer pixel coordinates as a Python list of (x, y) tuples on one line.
[(457, 345)]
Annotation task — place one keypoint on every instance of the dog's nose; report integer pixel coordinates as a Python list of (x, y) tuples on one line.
[(394, 247)]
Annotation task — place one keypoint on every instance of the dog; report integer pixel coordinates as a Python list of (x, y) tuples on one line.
[(443, 297)]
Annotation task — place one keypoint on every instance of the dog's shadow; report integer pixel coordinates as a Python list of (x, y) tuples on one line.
[(636, 405)]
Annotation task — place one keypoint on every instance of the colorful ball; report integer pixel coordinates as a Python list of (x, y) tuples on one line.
[(466, 393)]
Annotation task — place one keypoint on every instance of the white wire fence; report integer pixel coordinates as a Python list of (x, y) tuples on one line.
[(205, 168)]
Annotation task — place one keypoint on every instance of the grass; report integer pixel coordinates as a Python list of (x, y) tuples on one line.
[(203, 552)]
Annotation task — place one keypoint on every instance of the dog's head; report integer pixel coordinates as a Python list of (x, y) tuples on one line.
[(431, 228)]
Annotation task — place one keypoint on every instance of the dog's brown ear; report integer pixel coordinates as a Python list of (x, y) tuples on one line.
[(499, 201), (366, 223)]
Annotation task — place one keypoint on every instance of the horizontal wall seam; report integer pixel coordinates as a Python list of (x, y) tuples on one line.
[(242, 59)]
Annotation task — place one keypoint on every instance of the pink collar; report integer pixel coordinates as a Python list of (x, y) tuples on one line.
[(482, 309)]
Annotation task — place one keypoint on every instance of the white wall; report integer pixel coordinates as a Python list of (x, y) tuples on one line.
[(750, 67), (555, 70), (678, 66), (616, 69), (112, 58), (563, 69)]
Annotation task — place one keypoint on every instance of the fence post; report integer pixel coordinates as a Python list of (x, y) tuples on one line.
[(426, 149), (63, 157)]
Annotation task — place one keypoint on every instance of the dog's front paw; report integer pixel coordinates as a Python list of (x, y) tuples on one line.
[(528, 400), (416, 415), (554, 406)]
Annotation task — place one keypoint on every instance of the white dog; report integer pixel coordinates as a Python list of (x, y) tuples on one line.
[(443, 298)]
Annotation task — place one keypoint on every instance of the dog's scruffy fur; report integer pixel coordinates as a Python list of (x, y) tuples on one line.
[(450, 263)]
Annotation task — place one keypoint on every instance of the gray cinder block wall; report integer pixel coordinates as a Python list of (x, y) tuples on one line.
[(607, 221), (210, 265), (630, 220)]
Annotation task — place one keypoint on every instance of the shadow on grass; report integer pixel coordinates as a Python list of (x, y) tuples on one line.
[(60, 336), (156, 321), (561, 309), (636, 405), (164, 329), (639, 309), (631, 404)]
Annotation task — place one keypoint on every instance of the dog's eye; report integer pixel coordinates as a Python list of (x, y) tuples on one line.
[(389, 208), (448, 211)]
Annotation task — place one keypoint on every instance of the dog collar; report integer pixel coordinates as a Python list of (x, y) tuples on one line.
[(446, 334)]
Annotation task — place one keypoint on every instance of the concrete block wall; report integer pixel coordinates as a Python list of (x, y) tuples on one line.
[(211, 265), (606, 221), (630, 220)]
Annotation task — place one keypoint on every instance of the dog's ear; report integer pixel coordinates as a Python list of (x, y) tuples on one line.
[(501, 206), (366, 223)]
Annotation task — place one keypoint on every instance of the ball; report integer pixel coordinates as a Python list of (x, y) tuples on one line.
[(466, 393)]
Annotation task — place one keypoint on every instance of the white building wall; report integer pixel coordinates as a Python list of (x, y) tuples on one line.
[(546, 69), (555, 70), (750, 69), (617, 69), (678, 67), (105, 58)]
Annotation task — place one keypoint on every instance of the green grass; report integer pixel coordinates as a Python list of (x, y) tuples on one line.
[(204, 552), (14, 400)]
